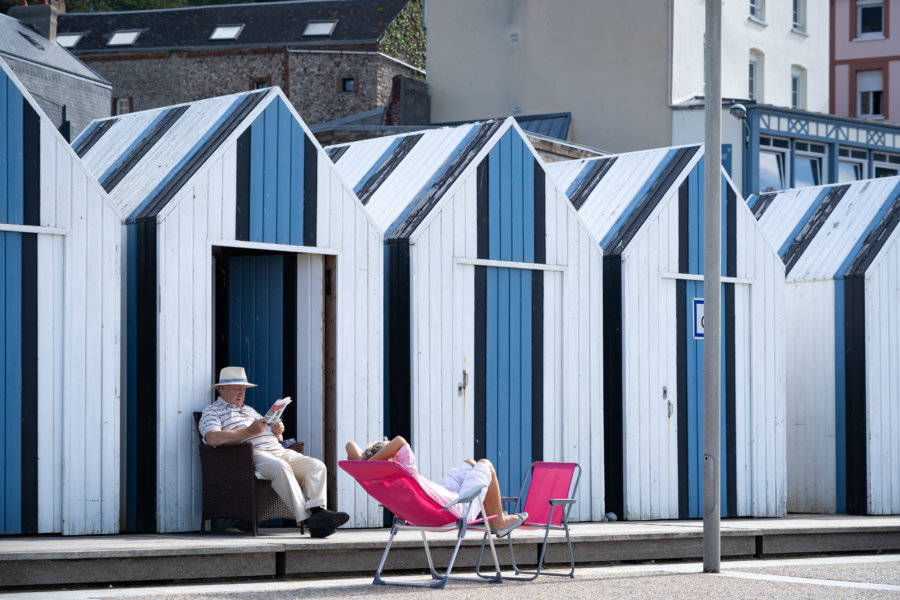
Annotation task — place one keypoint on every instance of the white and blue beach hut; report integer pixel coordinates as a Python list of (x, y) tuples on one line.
[(492, 348), (841, 249), (645, 210), (244, 246), (59, 331)]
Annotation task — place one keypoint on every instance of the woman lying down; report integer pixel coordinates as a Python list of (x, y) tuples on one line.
[(458, 481)]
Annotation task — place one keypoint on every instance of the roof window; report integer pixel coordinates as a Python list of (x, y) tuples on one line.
[(323, 28), (123, 38), (227, 32), (69, 40)]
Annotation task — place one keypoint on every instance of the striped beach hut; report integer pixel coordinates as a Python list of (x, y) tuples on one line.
[(491, 350), (244, 247), (645, 210), (59, 331), (841, 249)]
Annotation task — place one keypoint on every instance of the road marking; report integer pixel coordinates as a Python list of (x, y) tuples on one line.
[(806, 581)]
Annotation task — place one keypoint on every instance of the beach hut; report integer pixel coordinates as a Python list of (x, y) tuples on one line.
[(841, 249), (645, 210), (59, 331), (491, 349), (243, 247)]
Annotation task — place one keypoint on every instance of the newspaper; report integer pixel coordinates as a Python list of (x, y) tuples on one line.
[(276, 410)]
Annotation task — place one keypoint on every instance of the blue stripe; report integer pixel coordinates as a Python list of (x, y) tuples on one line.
[(876, 220), (11, 382), (752, 200), (638, 198), (12, 208), (286, 125), (137, 142), (185, 159), (84, 135), (377, 165), (270, 174), (511, 210), (588, 165), (803, 221), (437, 175), (840, 400)]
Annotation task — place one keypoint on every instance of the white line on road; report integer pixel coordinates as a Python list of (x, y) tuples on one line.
[(806, 581)]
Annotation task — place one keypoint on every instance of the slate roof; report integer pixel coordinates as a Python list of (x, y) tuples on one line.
[(19, 40), (359, 23)]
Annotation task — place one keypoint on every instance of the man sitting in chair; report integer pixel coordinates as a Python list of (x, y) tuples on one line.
[(297, 479), (458, 481)]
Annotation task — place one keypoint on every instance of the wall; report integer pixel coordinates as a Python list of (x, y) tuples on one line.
[(578, 56)]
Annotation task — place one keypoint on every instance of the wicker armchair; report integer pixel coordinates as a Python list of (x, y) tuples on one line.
[(231, 489)]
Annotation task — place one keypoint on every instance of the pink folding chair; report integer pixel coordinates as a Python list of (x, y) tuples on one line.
[(396, 488), (548, 491)]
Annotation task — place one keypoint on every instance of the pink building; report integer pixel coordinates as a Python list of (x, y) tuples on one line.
[(865, 59)]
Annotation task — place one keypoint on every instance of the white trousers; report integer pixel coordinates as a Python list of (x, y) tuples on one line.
[(297, 479)]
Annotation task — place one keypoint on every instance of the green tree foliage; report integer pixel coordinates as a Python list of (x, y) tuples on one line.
[(405, 37)]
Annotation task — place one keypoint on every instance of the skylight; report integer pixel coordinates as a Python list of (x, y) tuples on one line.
[(227, 32), (69, 40), (319, 27), (123, 38)]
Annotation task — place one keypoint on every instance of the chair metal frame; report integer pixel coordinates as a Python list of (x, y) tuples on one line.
[(460, 524), (561, 504)]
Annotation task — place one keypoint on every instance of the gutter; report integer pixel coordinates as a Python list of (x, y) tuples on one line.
[(102, 83), (359, 52)]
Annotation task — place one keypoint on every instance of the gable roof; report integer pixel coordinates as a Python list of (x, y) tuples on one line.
[(615, 194), (401, 178), (21, 41), (830, 231), (360, 23)]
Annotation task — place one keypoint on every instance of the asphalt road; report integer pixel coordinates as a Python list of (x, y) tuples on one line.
[(822, 578)]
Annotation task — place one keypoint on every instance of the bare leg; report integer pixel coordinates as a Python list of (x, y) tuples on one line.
[(492, 500)]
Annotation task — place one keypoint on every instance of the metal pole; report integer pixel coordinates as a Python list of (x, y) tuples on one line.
[(712, 287)]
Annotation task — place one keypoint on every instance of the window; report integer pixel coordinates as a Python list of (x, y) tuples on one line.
[(758, 10), (773, 154), (868, 94), (851, 164), (808, 159), (69, 40), (799, 16), (260, 83), (319, 28), (798, 87), (123, 38), (869, 19), (227, 32), (122, 106), (885, 165), (754, 91), (348, 84)]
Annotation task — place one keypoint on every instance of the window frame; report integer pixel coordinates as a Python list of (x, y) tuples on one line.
[(754, 75), (885, 160), (757, 11), (798, 92), (781, 148), (859, 96), (67, 36), (813, 151), (313, 25), (798, 16), (857, 25), (225, 38), (116, 103), (856, 157), (123, 32), (353, 87)]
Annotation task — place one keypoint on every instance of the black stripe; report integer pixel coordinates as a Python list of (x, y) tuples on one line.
[(201, 156), (762, 204), (731, 231), (482, 210), (730, 399), (310, 190), (459, 163), (537, 365), (387, 167), (681, 327), (806, 236), (540, 214), (29, 384), (242, 188), (143, 148), (335, 154), (146, 376), (480, 401), (398, 382), (31, 155), (876, 240), (684, 238), (289, 349), (656, 192), (613, 442), (93, 137), (855, 396), (598, 170), (221, 307)]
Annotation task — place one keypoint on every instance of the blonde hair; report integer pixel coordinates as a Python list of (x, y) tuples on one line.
[(373, 448)]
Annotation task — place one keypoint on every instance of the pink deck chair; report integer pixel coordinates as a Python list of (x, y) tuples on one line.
[(396, 488), (548, 491)]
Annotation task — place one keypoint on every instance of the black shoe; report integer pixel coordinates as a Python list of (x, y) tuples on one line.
[(324, 522)]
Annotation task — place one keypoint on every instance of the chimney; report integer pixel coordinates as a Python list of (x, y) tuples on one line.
[(40, 16)]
